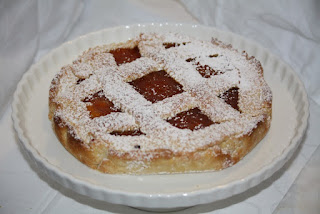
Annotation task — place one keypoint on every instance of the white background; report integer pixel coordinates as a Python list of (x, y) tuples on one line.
[(29, 29)]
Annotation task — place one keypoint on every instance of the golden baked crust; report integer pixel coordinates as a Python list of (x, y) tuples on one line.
[(208, 80)]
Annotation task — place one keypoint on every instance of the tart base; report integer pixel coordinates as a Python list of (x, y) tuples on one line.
[(97, 156)]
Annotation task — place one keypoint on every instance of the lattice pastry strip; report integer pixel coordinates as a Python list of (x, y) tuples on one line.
[(87, 65), (208, 62), (138, 68), (223, 82), (221, 111), (113, 122), (173, 105)]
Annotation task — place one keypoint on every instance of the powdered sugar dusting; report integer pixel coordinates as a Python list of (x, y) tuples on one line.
[(96, 70)]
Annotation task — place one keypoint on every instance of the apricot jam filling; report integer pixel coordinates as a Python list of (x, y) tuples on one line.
[(192, 119), (231, 97), (125, 55), (100, 105), (157, 86)]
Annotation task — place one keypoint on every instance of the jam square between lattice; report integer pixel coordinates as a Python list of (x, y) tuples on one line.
[(157, 86), (125, 55), (192, 119), (100, 105), (231, 97)]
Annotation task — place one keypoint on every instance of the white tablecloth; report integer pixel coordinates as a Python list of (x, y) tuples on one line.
[(289, 29)]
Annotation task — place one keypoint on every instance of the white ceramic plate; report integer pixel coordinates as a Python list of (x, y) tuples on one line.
[(30, 109)]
